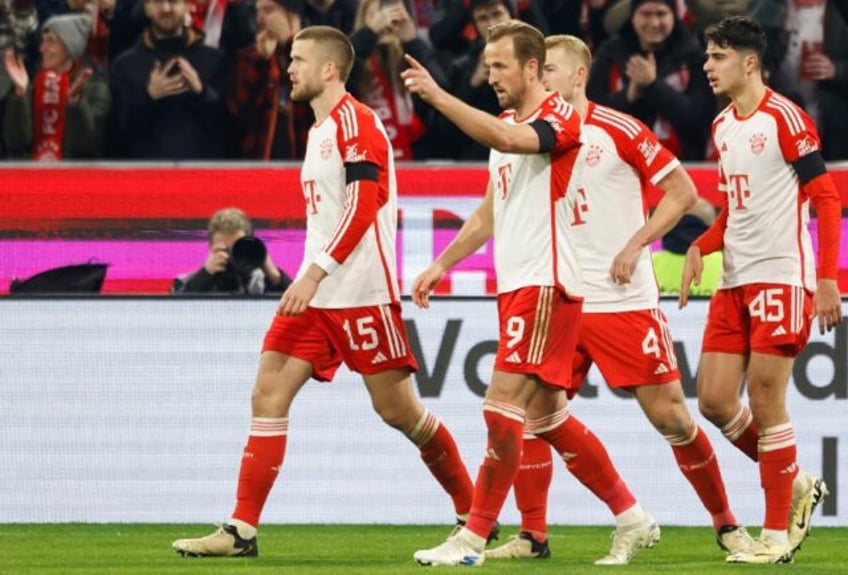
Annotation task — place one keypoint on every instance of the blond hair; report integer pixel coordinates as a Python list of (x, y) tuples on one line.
[(333, 46), (571, 45), (229, 221)]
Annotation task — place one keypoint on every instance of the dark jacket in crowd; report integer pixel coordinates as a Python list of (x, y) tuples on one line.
[(454, 143), (340, 14), (201, 281), (184, 127), (679, 106)]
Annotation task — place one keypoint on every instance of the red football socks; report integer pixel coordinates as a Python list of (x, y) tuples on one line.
[(260, 464)]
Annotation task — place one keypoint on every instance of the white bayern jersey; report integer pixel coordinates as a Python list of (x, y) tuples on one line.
[(767, 239), (348, 234), (531, 193), (623, 157)]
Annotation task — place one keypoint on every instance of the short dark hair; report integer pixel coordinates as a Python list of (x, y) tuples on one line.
[(738, 33)]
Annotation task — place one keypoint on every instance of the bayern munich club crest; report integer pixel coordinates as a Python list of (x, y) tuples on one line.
[(326, 149), (593, 158), (758, 143)]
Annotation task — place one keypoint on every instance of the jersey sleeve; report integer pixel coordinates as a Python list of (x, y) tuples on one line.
[(796, 131), (642, 150), (364, 150), (565, 122)]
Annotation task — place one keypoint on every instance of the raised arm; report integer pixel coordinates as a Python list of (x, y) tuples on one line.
[(479, 125)]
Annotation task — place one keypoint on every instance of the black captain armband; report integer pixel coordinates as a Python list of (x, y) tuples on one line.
[(547, 138), (809, 167), (356, 171)]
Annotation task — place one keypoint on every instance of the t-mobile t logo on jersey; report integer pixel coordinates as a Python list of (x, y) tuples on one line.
[(311, 196), (504, 175), (739, 190), (579, 207)]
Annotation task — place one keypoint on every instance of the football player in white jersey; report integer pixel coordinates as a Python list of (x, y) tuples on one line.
[(536, 148), (771, 169), (623, 330), (344, 304)]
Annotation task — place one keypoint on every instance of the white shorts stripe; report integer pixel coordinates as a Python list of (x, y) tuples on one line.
[(390, 336), (667, 340), (401, 344), (541, 325), (396, 345)]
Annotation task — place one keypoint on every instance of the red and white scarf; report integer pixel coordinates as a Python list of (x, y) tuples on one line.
[(394, 108), (50, 97), (208, 16)]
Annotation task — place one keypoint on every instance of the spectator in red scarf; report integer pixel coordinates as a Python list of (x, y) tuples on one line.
[(62, 112), (653, 70), (383, 32), (268, 123)]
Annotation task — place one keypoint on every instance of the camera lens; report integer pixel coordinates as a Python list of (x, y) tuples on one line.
[(248, 253)]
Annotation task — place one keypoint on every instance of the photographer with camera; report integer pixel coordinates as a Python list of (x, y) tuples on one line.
[(238, 262)]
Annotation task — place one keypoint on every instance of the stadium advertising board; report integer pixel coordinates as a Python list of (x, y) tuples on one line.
[(149, 222), (136, 410)]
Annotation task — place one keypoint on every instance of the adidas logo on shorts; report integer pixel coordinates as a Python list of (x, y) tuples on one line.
[(513, 358), (779, 330), (661, 369), (379, 358)]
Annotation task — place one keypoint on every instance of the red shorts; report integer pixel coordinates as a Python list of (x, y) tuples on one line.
[(368, 340), (538, 333), (767, 318), (630, 348)]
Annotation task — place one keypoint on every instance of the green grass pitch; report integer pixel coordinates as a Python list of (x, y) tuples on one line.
[(88, 549)]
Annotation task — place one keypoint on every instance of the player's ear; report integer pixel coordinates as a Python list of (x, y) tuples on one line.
[(752, 64)]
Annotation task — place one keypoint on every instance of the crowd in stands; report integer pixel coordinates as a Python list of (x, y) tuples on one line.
[(207, 80)]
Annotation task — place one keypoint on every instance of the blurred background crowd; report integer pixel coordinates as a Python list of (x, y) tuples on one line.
[(206, 79)]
